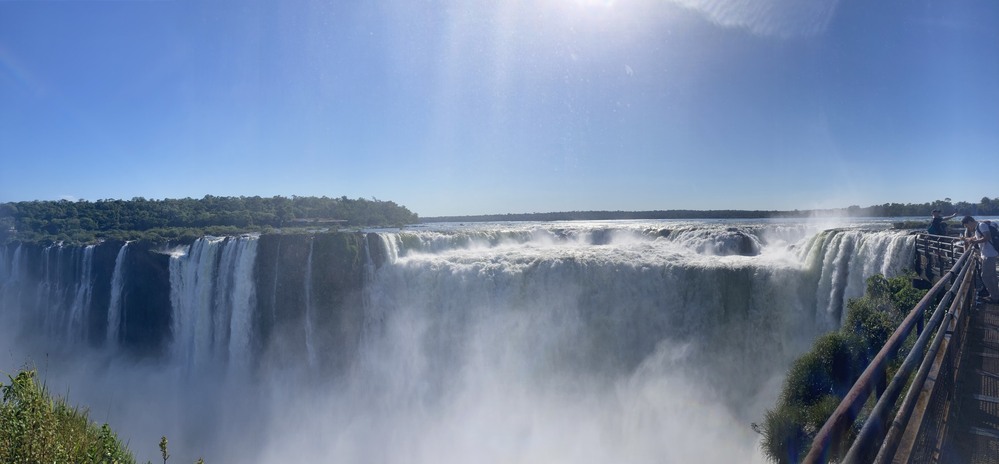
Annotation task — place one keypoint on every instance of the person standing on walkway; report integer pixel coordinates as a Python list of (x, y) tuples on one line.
[(979, 234), (937, 224)]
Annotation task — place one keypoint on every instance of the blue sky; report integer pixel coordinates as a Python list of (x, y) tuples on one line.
[(477, 107)]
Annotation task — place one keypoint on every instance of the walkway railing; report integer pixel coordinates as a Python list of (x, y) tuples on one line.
[(885, 439), (935, 254)]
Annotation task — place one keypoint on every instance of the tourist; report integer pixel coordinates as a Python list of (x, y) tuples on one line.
[(937, 225), (978, 233)]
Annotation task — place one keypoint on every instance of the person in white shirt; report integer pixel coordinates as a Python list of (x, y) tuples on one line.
[(978, 233)]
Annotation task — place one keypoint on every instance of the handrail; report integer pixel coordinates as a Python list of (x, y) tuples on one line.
[(937, 236), (949, 242), (874, 428), (889, 447), (850, 406), (939, 252)]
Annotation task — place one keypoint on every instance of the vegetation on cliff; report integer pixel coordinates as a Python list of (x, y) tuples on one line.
[(162, 220), (819, 379), (34, 427)]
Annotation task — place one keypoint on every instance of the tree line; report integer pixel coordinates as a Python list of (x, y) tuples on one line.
[(178, 219), (985, 207), (86, 222)]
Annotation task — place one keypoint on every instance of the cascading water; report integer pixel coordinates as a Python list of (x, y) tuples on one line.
[(310, 347), (843, 259), (82, 296), (237, 262), (550, 342), (212, 296), (43, 302), (115, 307)]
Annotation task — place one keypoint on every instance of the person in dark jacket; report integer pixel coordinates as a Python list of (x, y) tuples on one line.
[(937, 224)]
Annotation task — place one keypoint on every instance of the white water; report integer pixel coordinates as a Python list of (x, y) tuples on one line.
[(237, 264), (44, 292), (492, 343), (114, 309), (591, 343), (310, 346), (75, 331), (212, 295)]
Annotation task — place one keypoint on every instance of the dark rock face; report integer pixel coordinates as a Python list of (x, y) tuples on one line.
[(336, 292), (320, 316), (146, 310), (58, 281), (103, 268), (747, 246), (280, 282), (373, 248)]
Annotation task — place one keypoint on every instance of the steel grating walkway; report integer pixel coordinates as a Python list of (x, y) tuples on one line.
[(973, 436)]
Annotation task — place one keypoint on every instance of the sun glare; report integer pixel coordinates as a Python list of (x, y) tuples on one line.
[(595, 3)]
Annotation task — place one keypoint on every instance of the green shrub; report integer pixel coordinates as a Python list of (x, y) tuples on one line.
[(819, 379), (806, 381), (36, 428), (784, 437), (843, 359), (871, 323)]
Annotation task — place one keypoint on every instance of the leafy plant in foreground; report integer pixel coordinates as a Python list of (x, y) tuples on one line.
[(34, 427)]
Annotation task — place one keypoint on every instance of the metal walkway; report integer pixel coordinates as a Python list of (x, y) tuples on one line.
[(973, 435)]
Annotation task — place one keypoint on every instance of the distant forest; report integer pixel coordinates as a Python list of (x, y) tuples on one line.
[(985, 207), (184, 219)]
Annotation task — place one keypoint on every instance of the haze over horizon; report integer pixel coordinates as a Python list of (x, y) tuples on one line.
[(466, 108)]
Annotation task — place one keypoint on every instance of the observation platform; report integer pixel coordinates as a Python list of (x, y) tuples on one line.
[(942, 404)]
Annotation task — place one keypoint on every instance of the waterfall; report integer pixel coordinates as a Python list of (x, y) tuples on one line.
[(213, 293), (413, 345), (391, 246), (308, 297), (75, 329), (43, 293), (844, 259), (242, 298), (192, 280), (212, 296), (117, 287), (274, 284)]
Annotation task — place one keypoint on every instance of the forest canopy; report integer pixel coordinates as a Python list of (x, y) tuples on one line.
[(986, 207), (185, 219), (87, 222)]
